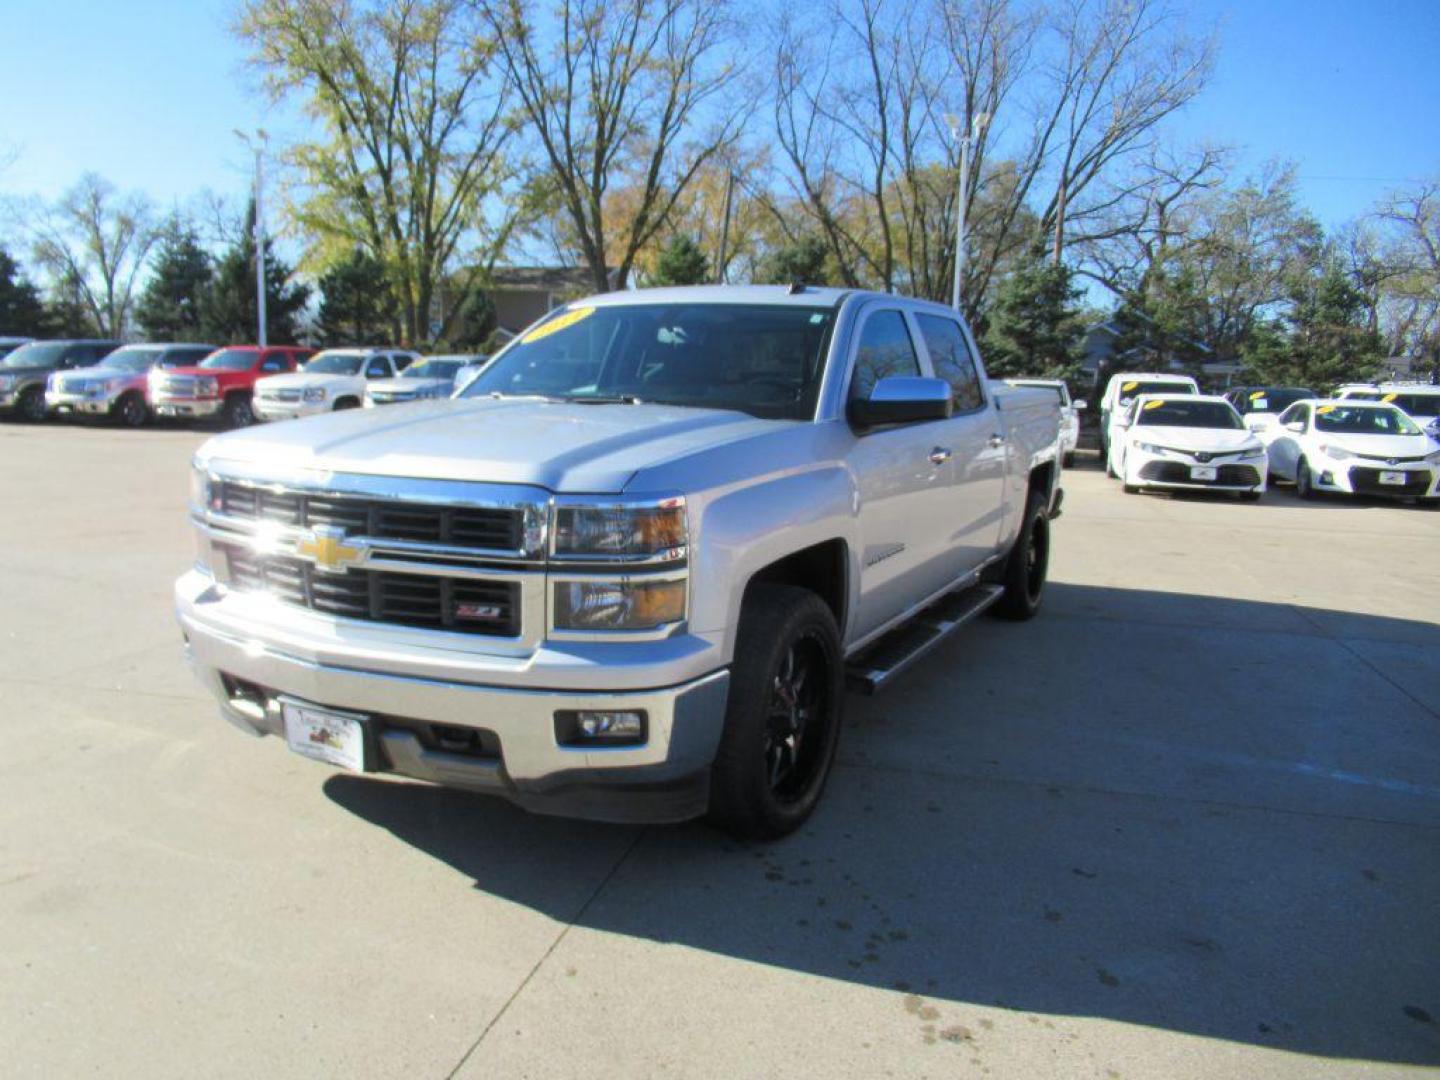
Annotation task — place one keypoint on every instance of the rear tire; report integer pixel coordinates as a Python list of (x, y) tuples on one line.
[(1027, 566), (782, 720)]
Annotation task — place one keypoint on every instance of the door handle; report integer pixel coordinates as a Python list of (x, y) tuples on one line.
[(940, 455), (997, 440)]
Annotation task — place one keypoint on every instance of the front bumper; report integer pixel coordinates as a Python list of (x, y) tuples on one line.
[(166, 405), (271, 409), (413, 718), (1362, 477), (1178, 474), (86, 404)]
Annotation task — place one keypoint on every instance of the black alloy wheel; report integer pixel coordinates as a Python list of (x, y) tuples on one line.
[(782, 719), (32, 405), (132, 411)]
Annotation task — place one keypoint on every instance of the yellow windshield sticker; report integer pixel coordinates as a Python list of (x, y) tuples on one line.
[(1389, 397), (1129, 386), (1153, 404), (1324, 409), (1257, 395), (560, 322)]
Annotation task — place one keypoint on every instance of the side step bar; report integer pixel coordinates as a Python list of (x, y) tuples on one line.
[(873, 670)]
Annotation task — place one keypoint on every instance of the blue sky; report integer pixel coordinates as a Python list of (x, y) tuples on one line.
[(148, 93)]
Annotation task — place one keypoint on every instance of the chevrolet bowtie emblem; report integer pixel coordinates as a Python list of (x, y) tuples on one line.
[(330, 552)]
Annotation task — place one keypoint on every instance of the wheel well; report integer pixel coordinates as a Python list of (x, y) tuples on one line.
[(821, 568), (1042, 480), (239, 392), (350, 398)]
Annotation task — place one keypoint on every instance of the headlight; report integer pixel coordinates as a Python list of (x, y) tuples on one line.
[(618, 605), (640, 532), (207, 386), (199, 488), (1149, 448), (1252, 449), (6, 382), (1433, 458), (315, 393), (1335, 453)]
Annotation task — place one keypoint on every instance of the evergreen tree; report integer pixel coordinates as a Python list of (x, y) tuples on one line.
[(474, 324), (806, 261), (228, 315), (1034, 326), (357, 303), (1331, 341), (22, 312), (173, 303), (67, 315), (681, 262)]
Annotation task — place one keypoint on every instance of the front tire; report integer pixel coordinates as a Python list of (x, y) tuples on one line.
[(1027, 566), (237, 412), (782, 721), (131, 412), (1304, 482), (31, 405)]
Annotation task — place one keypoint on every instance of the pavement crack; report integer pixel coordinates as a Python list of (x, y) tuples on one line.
[(1327, 635), (569, 925)]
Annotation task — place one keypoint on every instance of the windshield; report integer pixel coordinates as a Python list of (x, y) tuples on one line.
[(1197, 414), (1133, 388), (1415, 404), (1363, 420), (230, 360), (131, 359), (36, 354), (434, 368), (1274, 399), (761, 359), (334, 363)]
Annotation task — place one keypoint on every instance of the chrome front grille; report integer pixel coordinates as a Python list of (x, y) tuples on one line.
[(180, 386), (497, 529), (462, 605), (280, 395)]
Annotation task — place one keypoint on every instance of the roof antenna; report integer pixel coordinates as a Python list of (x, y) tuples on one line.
[(796, 288)]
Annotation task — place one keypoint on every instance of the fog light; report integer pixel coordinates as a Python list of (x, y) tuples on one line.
[(586, 727), (1327, 478)]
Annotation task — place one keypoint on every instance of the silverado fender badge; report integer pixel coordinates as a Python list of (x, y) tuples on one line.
[(329, 551)]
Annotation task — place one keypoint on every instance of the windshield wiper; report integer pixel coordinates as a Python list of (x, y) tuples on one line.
[(612, 399)]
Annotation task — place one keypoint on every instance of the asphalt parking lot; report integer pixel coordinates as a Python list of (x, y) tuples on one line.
[(1184, 824)]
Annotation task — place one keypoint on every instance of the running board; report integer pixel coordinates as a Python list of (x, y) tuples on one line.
[(872, 671)]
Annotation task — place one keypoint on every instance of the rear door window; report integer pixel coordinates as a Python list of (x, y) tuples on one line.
[(953, 362), (885, 349)]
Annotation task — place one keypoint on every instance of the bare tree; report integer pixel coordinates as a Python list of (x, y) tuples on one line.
[(417, 124), (617, 92), (95, 242), (1410, 298)]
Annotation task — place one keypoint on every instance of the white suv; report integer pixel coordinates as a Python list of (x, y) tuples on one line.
[(334, 379)]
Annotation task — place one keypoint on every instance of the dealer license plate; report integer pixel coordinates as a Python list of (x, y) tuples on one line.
[(1203, 472), (326, 736), (1397, 478)]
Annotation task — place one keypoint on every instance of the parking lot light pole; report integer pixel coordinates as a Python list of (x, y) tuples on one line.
[(259, 147), (977, 125)]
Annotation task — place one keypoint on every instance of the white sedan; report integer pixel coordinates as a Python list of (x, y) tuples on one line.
[(1186, 442), (1355, 447), (331, 380)]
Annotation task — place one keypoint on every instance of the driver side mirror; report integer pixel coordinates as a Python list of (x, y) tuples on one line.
[(902, 399)]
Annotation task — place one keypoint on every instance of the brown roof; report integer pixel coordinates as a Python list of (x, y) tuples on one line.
[(547, 278)]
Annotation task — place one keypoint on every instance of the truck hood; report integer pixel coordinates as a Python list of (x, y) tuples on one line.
[(561, 446)]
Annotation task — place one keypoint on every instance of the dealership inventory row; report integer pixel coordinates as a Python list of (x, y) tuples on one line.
[(131, 384)]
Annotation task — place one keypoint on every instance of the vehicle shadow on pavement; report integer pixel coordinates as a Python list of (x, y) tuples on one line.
[(1122, 810)]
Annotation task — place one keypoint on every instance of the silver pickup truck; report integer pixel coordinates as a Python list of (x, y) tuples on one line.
[(629, 571)]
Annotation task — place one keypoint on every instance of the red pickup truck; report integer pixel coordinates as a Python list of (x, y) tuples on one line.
[(222, 383)]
